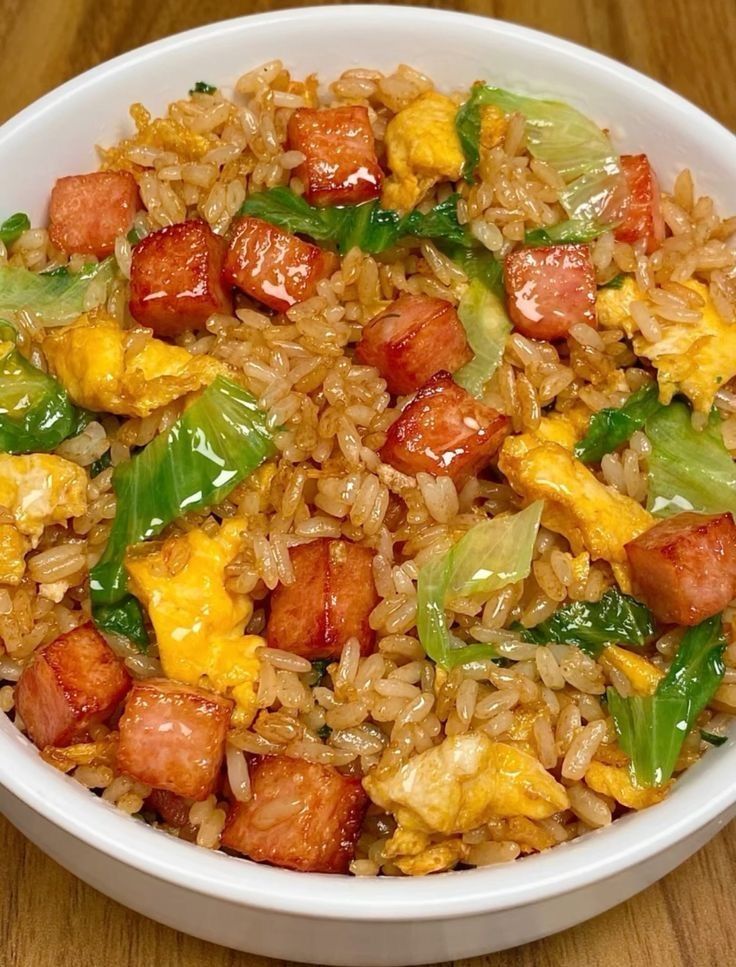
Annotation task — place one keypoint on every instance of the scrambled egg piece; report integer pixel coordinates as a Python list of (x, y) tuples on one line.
[(434, 859), (643, 675), (589, 514), (693, 358), (528, 834), (13, 549), (164, 133), (40, 489), (616, 782), (462, 783), (37, 489), (422, 148), (613, 306), (199, 623), (91, 361), (564, 428)]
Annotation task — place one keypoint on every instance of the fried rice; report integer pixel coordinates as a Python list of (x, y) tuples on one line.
[(369, 715)]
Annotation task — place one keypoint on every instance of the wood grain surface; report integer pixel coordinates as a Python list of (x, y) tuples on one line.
[(50, 919)]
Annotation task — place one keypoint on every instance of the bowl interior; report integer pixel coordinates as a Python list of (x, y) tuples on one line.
[(56, 136)]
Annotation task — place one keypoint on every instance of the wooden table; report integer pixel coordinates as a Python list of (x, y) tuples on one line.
[(683, 921)]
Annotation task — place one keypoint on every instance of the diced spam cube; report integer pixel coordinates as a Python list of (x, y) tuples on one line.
[(341, 167), (272, 266), (642, 213), (444, 431), (172, 736), (329, 601), (172, 809), (88, 212), (684, 568), (176, 278), (302, 816), (549, 289), (411, 340), (73, 683)]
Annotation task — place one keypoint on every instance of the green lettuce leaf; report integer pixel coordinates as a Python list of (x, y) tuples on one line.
[(610, 427), (591, 625), (54, 298), (36, 413), (220, 439), (652, 728), (12, 228), (567, 141), (491, 555), (368, 226), (688, 469), (487, 326)]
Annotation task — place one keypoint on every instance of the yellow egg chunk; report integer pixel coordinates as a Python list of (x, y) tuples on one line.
[(40, 489), (591, 515), (564, 428), (693, 358), (462, 783), (13, 549), (199, 624), (422, 148), (643, 675), (613, 306), (615, 782), (434, 859), (90, 360)]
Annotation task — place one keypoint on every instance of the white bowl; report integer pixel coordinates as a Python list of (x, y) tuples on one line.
[(310, 917)]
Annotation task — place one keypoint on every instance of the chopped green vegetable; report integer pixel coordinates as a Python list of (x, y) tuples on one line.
[(610, 427), (712, 738), (487, 326), (367, 226), (652, 728), (688, 469), (53, 297), (220, 439), (319, 670), (592, 625), (567, 141), (570, 232), (36, 413), (476, 263), (12, 228), (125, 618), (202, 87), (615, 283), (491, 555), (133, 237), (101, 464)]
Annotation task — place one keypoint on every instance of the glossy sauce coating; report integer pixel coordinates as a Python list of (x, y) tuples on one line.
[(684, 567), (411, 340), (175, 278), (444, 431), (642, 212), (272, 266), (329, 601), (549, 289), (302, 816), (72, 683), (172, 737), (341, 167)]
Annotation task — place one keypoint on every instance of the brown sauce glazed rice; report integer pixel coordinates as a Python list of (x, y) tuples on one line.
[(384, 539)]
